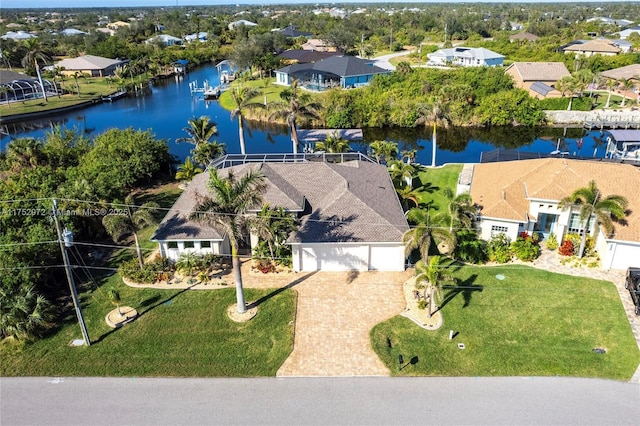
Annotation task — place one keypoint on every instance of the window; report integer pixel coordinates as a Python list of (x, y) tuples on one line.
[(205, 244), (172, 245), (575, 225), (497, 229), (189, 244)]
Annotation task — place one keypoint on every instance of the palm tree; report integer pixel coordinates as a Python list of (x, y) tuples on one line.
[(201, 130), (434, 272), (432, 114), (295, 104), (205, 153), (265, 85), (567, 84), (30, 59), (187, 171), (24, 152), (462, 212), (114, 297), (231, 198), (119, 225), (624, 84), (384, 151), (420, 235), (273, 225), (409, 155), (333, 144), (23, 312), (242, 101), (591, 203), (611, 84), (75, 77)]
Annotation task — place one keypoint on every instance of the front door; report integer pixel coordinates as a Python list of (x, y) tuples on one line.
[(546, 224)]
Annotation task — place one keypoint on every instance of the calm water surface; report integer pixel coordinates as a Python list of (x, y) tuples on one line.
[(166, 110)]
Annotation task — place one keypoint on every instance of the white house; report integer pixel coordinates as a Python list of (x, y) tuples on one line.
[(466, 57), (166, 39), (350, 215), (517, 196), (240, 22)]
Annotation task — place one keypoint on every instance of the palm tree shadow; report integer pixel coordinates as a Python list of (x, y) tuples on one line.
[(280, 290), (466, 287)]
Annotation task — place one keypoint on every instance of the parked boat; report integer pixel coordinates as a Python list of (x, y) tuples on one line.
[(623, 144), (114, 96), (211, 93)]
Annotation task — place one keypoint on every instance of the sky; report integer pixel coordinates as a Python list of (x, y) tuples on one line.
[(31, 4)]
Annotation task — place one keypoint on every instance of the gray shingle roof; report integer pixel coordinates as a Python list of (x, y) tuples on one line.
[(344, 202), (342, 66)]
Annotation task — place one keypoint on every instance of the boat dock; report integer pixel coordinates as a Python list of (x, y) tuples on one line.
[(605, 124)]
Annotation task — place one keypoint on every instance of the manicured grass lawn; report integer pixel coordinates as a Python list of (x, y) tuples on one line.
[(532, 323), (434, 180), (179, 333)]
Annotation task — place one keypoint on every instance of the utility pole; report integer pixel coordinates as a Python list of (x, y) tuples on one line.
[(66, 240)]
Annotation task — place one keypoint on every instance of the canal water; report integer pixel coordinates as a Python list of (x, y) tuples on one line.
[(166, 110)]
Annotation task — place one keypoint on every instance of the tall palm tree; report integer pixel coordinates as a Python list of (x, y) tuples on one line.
[(409, 155), (434, 272), (333, 144), (295, 104), (611, 85), (420, 235), (567, 84), (187, 171), (31, 57), (273, 225), (230, 199), (242, 97), (432, 114), (384, 151), (591, 203), (201, 130), (136, 217)]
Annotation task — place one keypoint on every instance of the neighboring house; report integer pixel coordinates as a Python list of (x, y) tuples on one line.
[(629, 72), (234, 24), (72, 32), (318, 45), (610, 21), (466, 57), (291, 31), (335, 71), (109, 31), (93, 66), (18, 35), (523, 37), (624, 34), (538, 78), (305, 56), (350, 215), (201, 37), (592, 47), (21, 86), (517, 196), (117, 25), (166, 39)]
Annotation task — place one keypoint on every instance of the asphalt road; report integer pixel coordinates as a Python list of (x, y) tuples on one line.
[(329, 401)]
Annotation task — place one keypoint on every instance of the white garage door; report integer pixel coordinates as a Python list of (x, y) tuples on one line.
[(386, 258), (326, 257), (622, 256)]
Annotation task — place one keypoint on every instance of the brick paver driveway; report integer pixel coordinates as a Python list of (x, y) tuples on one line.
[(335, 312)]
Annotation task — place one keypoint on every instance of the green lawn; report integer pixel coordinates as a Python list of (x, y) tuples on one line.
[(434, 180), (532, 323)]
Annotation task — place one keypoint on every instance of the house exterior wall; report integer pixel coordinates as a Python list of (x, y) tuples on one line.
[(173, 254), (489, 227), (348, 257), (282, 78)]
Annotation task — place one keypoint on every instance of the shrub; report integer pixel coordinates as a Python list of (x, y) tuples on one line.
[(157, 270), (552, 242), (566, 248), (526, 249), (499, 249), (469, 248)]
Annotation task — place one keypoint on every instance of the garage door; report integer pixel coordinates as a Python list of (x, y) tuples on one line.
[(334, 258), (386, 258), (621, 256)]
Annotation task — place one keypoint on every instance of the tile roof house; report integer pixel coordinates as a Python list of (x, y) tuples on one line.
[(523, 37), (592, 47), (517, 196), (466, 57), (629, 72), (318, 45), (334, 71), (538, 78), (350, 215), (94, 66)]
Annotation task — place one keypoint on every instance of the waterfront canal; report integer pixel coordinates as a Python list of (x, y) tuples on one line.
[(167, 108)]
